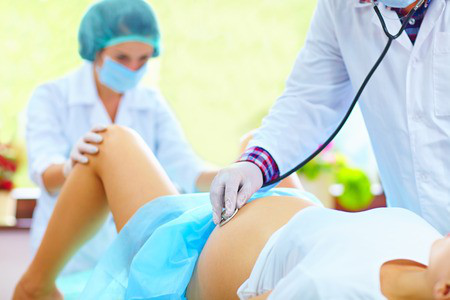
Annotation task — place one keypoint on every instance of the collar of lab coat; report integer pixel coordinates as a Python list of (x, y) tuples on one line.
[(391, 18), (358, 3), (82, 90)]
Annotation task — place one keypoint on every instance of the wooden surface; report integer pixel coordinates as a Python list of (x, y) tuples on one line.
[(24, 214)]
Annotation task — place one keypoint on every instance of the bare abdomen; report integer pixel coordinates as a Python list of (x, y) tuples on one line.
[(231, 251)]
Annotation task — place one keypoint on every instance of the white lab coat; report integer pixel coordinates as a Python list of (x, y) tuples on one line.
[(62, 111), (406, 106)]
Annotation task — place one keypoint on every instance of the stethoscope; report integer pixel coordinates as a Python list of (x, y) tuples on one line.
[(391, 38)]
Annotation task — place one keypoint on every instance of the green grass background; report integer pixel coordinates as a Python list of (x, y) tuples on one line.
[(223, 66)]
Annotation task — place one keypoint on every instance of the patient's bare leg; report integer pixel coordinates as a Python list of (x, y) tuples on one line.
[(121, 178)]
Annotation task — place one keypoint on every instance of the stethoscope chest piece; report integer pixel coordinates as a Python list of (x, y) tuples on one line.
[(224, 220)]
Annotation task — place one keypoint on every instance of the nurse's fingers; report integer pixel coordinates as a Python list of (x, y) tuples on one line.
[(85, 148), (78, 157), (244, 194), (92, 137), (231, 191), (99, 128)]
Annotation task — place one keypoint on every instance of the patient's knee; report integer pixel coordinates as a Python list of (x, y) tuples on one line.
[(116, 139), (119, 130), (117, 135)]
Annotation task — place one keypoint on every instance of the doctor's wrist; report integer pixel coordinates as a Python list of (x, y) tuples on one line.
[(263, 160)]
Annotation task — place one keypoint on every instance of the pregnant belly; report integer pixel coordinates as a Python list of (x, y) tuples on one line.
[(231, 251)]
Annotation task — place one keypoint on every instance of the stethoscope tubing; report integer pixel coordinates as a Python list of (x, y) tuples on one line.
[(391, 38)]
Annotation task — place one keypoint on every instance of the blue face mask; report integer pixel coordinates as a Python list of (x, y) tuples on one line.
[(397, 3), (118, 77)]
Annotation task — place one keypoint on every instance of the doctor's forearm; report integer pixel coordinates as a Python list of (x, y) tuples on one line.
[(53, 178)]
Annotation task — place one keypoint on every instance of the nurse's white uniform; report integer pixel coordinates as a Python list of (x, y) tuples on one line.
[(406, 106), (62, 111)]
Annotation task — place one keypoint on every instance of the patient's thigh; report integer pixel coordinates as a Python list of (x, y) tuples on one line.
[(231, 251), (130, 173)]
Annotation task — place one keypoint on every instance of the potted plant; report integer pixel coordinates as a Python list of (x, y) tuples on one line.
[(8, 167), (331, 167)]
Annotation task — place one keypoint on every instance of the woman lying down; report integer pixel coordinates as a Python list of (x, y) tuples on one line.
[(281, 245)]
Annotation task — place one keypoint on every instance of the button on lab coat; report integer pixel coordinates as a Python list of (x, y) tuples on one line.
[(62, 111), (406, 105)]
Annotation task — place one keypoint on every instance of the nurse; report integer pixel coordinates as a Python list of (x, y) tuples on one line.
[(406, 105), (116, 40)]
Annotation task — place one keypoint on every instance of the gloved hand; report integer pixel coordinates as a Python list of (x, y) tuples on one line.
[(233, 186), (84, 146)]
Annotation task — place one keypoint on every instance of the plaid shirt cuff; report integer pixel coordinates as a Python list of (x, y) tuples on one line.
[(264, 161)]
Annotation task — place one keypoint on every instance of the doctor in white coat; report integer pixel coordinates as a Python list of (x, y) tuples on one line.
[(117, 38), (406, 105)]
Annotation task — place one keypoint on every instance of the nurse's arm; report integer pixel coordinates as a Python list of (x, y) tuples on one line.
[(47, 145), (205, 179), (262, 297), (173, 150), (53, 178)]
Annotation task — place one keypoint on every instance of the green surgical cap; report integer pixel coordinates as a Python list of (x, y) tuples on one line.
[(111, 22)]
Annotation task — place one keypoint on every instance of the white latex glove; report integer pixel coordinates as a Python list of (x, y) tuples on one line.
[(232, 187), (85, 145)]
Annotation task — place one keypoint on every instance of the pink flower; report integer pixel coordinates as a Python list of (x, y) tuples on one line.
[(327, 148)]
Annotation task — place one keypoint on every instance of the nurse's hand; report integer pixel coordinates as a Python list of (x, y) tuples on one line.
[(85, 145), (232, 187)]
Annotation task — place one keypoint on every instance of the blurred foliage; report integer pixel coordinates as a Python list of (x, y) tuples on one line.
[(315, 168), (356, 184), (224, 62), (357, 194)]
